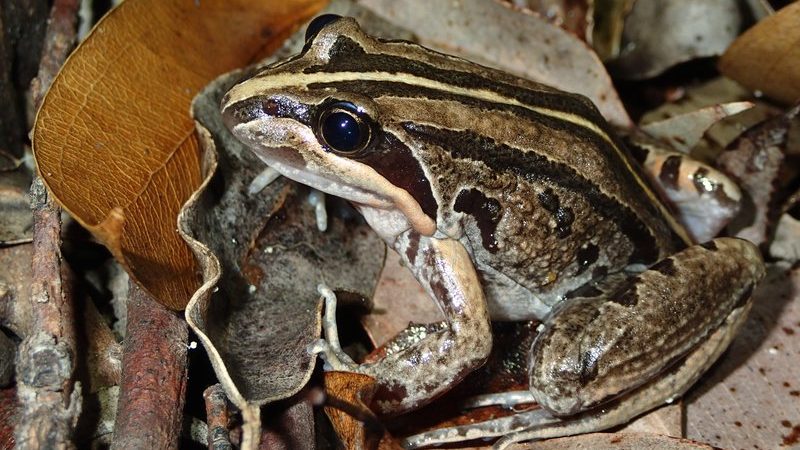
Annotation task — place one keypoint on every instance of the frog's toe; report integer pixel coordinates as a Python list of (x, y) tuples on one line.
[(330, 349)]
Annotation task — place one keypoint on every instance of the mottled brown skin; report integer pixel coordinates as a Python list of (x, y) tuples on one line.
[(503, 197)]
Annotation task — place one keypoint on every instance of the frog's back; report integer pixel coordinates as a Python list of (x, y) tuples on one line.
[(528, 177), (532, 176)]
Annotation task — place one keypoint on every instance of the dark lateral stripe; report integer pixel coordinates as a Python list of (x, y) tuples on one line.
[(348, 56), (537, 168), (397, 163), (612, 156)]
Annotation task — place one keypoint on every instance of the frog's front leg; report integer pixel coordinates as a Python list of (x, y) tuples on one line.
[(416, 374)]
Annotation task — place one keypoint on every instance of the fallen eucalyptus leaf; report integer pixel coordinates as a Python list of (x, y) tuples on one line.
[(659, 34), (684, 131), (767, 56), (525, 45), (717, 91), (399, 300), (347, 406), (113, 140)]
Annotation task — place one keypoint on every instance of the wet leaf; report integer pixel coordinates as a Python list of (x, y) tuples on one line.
[(113, 139), (522, 44), (659, 34), (767, 56)]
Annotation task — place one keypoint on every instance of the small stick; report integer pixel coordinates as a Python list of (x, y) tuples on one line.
[(48, 403), (49, 406), (154, 366), (218, 418)]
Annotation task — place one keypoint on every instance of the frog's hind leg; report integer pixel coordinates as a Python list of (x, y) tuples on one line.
[(661, 390), (601, 361)]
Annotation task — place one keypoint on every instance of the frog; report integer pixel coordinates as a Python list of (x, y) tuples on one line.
[(508, 200)]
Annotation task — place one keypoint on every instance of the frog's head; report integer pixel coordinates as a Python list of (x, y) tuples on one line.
[(314, 118)]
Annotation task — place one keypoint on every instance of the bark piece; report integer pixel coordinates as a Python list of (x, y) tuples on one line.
[(49, 404), (217, 417), (150, 409)]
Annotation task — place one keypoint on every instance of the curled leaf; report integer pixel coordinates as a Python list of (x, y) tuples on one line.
[(113, 139)]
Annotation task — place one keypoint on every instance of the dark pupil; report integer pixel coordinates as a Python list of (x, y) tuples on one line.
[(342, 131)]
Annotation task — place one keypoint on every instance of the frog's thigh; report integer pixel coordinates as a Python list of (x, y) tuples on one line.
[(593, 350), (705, 198), (414, 375)]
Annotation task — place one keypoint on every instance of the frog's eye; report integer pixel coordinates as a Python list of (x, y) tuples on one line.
[(343, 128), (318, 24)]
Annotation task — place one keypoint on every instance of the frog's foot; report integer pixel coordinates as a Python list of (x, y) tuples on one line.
[(705, 198), (330, 348), (262, 180)]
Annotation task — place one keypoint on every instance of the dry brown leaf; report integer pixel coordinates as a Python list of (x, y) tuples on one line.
[(767, 56), (349, 395), (683, 131), (114, 141), (659, 34)]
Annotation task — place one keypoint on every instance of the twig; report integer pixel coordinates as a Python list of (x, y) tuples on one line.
[(49, 406), (58, 43), (150, 408), (218, 417)]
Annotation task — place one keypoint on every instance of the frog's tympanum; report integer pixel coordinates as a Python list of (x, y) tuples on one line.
[(508, 200)]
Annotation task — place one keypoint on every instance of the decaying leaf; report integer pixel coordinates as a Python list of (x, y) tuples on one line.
[(491, 34), (767, 56), (262, 259), (113, 139), (659, 34), (684, 131), (755, 160)]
